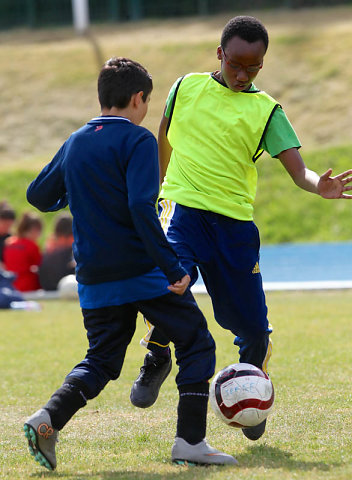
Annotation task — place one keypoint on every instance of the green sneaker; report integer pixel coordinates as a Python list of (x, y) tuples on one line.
[(42, 438), (183, 453)]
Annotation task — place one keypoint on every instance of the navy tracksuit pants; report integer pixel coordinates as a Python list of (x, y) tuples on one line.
[(110, 330), (226, 252)]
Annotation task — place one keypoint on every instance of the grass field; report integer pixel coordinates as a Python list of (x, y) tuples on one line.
[(308, 436), (48, 83)]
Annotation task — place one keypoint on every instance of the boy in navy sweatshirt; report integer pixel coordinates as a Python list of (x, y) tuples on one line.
[(108, 174)]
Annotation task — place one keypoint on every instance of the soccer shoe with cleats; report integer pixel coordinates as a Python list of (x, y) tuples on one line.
[(145, 389), (183, 453), (42, 438), (254, 433)]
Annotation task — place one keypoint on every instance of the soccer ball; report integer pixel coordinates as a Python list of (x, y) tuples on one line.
[(68, 287), (242, 395)]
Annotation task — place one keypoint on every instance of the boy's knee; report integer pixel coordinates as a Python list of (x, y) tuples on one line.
[(255, 349), (197, 338), (197, 359)]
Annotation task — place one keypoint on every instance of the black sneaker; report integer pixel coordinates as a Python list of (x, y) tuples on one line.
[(145, 389), (254, 433)]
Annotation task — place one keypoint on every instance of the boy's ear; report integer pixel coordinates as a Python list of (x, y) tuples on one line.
[(137, 98)]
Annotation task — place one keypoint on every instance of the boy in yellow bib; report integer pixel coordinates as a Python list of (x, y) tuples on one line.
[(215, 127)]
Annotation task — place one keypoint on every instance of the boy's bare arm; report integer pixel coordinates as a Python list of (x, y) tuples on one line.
[(164, 148), (325, 185)]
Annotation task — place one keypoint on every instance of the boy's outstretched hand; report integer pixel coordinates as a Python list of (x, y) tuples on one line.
[(334, 187), (180, 286)]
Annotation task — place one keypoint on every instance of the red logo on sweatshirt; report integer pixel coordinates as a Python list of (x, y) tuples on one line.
[(99, 127)]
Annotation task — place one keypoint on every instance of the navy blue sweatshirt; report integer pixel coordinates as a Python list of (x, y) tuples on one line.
[(108, 174)]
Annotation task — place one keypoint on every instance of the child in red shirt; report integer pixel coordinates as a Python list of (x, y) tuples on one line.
[(22, 254)]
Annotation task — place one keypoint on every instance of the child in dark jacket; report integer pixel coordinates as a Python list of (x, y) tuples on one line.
[(108, 174), (7, 219), (57, 261)]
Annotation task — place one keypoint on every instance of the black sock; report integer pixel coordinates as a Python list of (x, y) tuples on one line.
[(64, 403), (192, 412)]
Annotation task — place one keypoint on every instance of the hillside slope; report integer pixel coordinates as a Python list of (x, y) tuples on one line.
[(48, 78)]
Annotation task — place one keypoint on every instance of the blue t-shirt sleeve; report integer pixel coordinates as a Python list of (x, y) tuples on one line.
[(142, 179)]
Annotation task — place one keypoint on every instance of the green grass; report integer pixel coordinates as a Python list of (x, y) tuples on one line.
[(13, 187), (283, 212), (308, 435), (48, 86)]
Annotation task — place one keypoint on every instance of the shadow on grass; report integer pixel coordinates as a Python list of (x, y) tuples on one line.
[(184, 473), (271, 457), (254, 457)]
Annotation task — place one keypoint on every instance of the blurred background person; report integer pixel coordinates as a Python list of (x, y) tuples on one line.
[(57, 261), (7, 219), (22, 255)]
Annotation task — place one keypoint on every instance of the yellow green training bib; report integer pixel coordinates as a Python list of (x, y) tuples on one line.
[(215, 135)]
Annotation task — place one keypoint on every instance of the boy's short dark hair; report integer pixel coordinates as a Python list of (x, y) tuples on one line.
[(63, 225), (6, 211), (119, 79), (247, 28)]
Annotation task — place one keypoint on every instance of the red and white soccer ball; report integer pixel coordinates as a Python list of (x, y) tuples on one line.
[(242, 395)]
